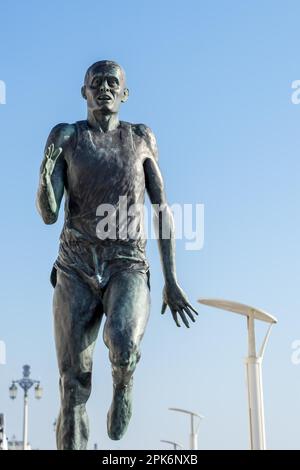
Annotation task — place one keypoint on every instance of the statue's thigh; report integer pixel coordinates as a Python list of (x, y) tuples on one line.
[(126, 304), (77, 314)]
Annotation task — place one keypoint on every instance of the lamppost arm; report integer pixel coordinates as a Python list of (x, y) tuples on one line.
[(173, 443), (194, 430), (265, 341)]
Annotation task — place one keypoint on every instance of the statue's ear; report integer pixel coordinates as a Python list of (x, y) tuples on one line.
[(125, 95), (83, 92)]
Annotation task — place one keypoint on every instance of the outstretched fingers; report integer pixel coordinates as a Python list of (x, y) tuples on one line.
[(48, 152), (52, 153), (183, 317), (182, 308), (189, 313), (163, 308), (174, 314), (56, 154), (192, 308)]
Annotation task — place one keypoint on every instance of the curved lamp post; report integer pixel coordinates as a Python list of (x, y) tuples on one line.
[(253, 365), (25, 383), (175, 445), (194, 426)]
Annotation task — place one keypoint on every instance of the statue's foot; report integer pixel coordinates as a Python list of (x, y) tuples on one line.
[(120, 411)]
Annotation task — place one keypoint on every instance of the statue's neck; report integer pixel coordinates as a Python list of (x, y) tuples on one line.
[(103, 122)]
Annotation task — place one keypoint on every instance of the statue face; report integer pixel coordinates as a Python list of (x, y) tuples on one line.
[(104, 89)]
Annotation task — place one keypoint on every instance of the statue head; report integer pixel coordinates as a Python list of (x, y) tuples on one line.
[(105, 87)]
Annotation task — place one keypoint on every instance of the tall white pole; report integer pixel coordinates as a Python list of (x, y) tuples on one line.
[(255, 392), (193, 435), (25, 421), (255, 403)]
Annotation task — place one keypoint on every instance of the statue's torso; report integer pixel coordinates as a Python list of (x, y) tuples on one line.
[(101, 169)]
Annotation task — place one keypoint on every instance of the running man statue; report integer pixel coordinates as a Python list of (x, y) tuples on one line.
[(101, 270)]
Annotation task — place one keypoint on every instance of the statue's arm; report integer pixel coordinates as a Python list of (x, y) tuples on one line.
[(163, 218), (52, 181), (173, 295)]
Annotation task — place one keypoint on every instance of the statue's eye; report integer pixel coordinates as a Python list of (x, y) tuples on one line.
[(112, 81), (95, 82)]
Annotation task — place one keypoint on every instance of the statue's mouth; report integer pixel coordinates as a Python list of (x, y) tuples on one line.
[(104, 98)]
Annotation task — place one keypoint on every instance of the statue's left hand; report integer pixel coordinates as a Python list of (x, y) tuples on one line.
[(49, 162), (175, 298)]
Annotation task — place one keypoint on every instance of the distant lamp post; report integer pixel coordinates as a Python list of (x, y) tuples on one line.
[(13, 390), (194, 426), (25, 383), (175, 445), (253, 366)]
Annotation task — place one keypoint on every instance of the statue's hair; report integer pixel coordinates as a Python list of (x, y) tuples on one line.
[(103, 63)]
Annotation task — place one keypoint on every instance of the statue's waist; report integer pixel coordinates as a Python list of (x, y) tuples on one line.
[(75, 248)]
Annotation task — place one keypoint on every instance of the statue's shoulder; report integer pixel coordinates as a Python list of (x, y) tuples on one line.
[(144, 132), (63, 134)]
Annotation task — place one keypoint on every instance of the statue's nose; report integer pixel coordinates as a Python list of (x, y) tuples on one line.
[(104, 86)]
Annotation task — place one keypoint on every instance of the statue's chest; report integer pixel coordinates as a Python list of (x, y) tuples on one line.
[(106, 159)]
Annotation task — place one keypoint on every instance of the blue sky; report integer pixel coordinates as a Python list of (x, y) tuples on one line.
[(213, 80)]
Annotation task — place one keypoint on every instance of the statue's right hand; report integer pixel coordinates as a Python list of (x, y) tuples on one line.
[(50, 160)]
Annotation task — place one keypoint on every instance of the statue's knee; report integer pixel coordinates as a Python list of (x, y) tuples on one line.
[(126, 357), (76, 386)]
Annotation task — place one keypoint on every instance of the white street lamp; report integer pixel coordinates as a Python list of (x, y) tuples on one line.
[(194, 427), (25, 383), (253, 366), (175, 445), (38, 391)]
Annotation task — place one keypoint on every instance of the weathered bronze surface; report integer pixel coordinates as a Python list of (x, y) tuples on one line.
[(100, 163)]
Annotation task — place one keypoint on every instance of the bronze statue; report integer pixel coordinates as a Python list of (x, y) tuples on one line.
[(93, 163)]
